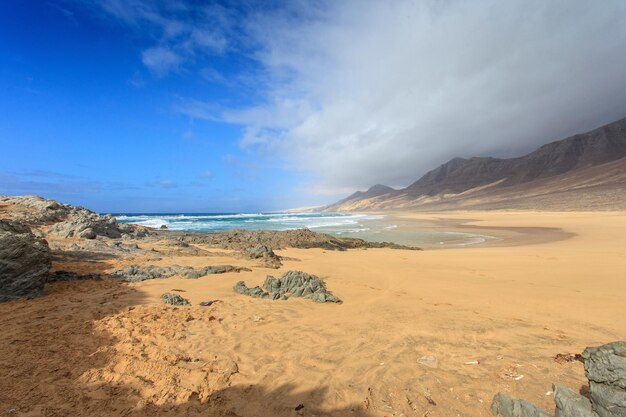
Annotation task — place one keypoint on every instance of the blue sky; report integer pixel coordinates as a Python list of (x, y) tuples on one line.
[(170, 106), (85, 121)]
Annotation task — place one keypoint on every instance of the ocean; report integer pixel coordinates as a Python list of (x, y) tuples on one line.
[(372, 227)]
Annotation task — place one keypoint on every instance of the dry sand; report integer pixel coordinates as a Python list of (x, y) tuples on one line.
[(106, 348)]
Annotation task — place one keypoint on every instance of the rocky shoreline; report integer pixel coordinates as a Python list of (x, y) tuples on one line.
[(37, 235)]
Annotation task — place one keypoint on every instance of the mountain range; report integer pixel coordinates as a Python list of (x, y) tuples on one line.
[(584, 171)]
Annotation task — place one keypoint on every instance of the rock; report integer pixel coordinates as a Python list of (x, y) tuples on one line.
[(174, 299), (570, 404), (605, 367), (24, 261), (505, 406), (240, 288), (64, 276), (301, 238), (69, 221), (429, 361), (292, 283), (163, 227), (206, 303), (265, 253), (134, 273)]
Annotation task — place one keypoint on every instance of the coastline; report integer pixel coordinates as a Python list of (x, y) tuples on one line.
[(501, 228), (553, 284)]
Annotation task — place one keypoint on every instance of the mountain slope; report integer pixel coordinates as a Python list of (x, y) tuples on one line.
[(460, 181), (373, 191)]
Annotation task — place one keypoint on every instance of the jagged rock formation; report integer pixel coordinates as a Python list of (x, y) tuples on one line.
[(565, 165), (134, 273), (291, 284), (605, 367), (265, 254), (66, 220), (174, 299), (24, 261)]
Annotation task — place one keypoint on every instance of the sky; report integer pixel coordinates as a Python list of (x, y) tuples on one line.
[(239, 106)]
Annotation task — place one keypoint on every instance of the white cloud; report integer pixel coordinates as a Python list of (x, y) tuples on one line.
[(160, 60), (181, 31), (358, 92), (368, 92)]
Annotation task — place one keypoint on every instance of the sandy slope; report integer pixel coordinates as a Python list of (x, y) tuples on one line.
[(104, 348)]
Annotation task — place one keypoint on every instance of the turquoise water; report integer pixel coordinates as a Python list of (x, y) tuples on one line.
[(372, 227)]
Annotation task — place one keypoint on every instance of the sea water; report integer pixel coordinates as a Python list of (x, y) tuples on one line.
[(371, 227)]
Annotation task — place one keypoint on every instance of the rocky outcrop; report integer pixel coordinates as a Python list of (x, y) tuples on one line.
[(68, 221), (266, 255), (605, 367), (24, 261), (291, 284), (244, 240), (174, 299), (134, 273)]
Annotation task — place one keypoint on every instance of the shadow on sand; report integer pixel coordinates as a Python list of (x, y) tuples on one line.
[(48, 345)]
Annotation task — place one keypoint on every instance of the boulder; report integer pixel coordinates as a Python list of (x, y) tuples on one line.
[(266, 254), (24, 261), (605, 367), (292, 283)]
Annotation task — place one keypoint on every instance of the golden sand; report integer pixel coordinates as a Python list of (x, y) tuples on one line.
[(398, 345)]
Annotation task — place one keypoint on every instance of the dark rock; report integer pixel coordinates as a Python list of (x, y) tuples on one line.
[(292, 283), (24, 261), (570, 404), (605, 367), (206, 303), (163, 227), (260, 251), (64, 276), (174, 299), (134, 273), (266, 254), (505, 406)]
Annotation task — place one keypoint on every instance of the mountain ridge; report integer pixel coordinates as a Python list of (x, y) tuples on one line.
[(460, 176)]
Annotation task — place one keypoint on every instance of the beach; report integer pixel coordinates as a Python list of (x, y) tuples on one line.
[(432, 332)]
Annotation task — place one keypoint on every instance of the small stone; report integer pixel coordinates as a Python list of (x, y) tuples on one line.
[(174, 299), (429, 361)]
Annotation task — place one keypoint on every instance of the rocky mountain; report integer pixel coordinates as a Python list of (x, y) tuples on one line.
[(565, 165), (374, 191)]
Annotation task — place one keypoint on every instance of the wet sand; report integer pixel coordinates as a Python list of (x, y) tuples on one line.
[(553, 283)]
